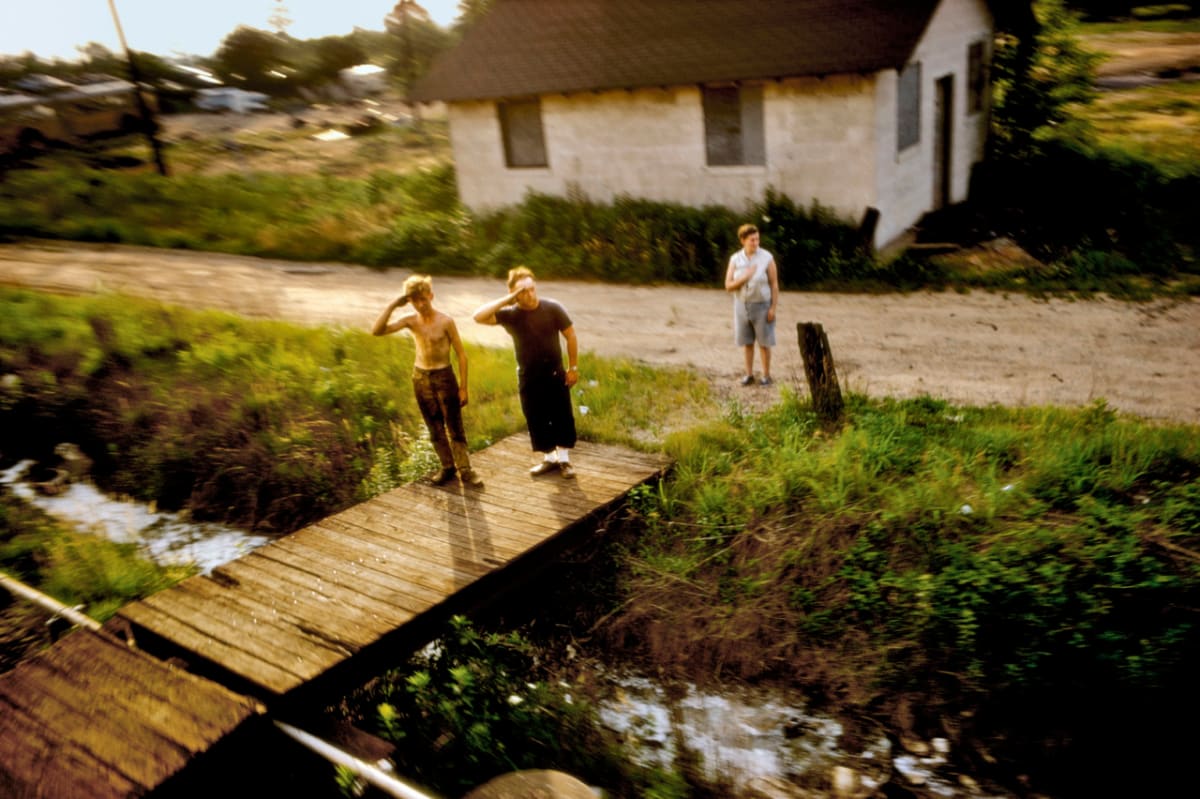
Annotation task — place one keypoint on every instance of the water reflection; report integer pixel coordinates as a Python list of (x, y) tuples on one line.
[(165, 538), (747, 735)]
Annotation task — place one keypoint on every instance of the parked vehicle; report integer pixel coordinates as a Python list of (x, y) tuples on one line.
[(71, 114), (228, 98)]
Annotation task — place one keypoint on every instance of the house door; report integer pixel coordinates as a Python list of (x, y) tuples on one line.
[(943, 142)]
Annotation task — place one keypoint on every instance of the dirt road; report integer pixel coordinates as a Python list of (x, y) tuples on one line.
[(975, 349)]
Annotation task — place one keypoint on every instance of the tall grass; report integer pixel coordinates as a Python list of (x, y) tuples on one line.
[(977, 560)]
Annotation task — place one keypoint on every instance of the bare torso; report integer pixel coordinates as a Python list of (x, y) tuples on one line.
[(432, 338)]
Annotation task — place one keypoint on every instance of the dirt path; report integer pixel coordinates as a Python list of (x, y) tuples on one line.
[(976, 349)]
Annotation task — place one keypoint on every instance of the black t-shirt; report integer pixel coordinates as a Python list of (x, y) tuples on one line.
[(535, 333)]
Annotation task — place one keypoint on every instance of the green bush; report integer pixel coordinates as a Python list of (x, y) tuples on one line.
[(484, 704), (1073, 197), (976, 560)]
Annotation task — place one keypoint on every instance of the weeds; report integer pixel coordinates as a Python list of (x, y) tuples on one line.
[(1023, 552), (485, 704)]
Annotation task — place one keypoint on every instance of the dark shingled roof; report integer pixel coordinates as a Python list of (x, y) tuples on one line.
[(530, 47)]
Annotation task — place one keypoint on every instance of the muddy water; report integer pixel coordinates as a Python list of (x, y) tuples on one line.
[(165, 538), (746, 736)]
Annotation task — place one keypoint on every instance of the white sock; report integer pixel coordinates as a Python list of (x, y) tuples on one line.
[(564, 455), (550, 457)]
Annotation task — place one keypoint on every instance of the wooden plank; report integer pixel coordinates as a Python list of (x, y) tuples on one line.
[(552, 488), (590, 475), (493, 509), (66, 713), (247, 665), (342, 628), (442, 501), (299, 580), (405, 597), (602, 461), (272, 639), (522, 533), (570, 501), (249, 600), (490, 547), (361, 528), (230, 628), (433, 536), (332, 585), (481, 549), (517, 446), (180, 706), (439, 577), (437, 536), (39, 764)]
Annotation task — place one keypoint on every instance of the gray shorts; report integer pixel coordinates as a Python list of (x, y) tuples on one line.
[(750, 324)]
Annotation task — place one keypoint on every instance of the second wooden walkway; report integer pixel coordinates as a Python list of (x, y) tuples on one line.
[(289, 612)]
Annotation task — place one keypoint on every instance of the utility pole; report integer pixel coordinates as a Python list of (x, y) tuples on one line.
[(148, 123)]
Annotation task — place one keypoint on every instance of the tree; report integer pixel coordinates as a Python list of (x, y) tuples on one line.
[(324, 58), (1039, 70), (247, 56), (96, 58), (405, 17)]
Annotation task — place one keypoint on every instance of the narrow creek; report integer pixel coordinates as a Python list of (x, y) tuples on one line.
[(165, 538), (742, 736)]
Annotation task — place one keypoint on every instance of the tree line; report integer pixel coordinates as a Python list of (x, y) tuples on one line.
[(272, 61)]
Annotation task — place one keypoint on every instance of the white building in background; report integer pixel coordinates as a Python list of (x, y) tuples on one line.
[(363, 80), (869, 106)]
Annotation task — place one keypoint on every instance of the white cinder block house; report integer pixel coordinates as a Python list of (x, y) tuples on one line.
[(857, 104)]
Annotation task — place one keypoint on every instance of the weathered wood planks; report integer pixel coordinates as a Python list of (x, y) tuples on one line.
[(91, 717), (290, 611)]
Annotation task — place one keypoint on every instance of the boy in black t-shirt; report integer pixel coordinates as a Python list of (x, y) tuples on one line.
[(535, 325)]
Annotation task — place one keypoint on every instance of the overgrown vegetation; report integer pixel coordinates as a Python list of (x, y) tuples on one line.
[(980, 573), (1101, 209), (484, 704), (973, 573)]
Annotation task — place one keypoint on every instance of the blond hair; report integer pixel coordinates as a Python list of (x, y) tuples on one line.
[(418, 286), (516, 273), (746, 230)]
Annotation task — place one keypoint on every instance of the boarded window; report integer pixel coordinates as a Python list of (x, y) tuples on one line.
[(908, 107), (733, 125), (976, 78), (521, 126)]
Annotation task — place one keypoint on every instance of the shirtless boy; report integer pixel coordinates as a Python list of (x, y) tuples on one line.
[(439, 395)]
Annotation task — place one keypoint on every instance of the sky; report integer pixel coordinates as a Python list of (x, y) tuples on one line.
[(53, 28)]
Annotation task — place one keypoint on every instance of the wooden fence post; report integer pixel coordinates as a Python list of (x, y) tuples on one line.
[(819, 369)]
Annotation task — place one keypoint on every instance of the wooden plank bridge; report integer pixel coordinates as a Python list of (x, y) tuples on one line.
[(317, 608)]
